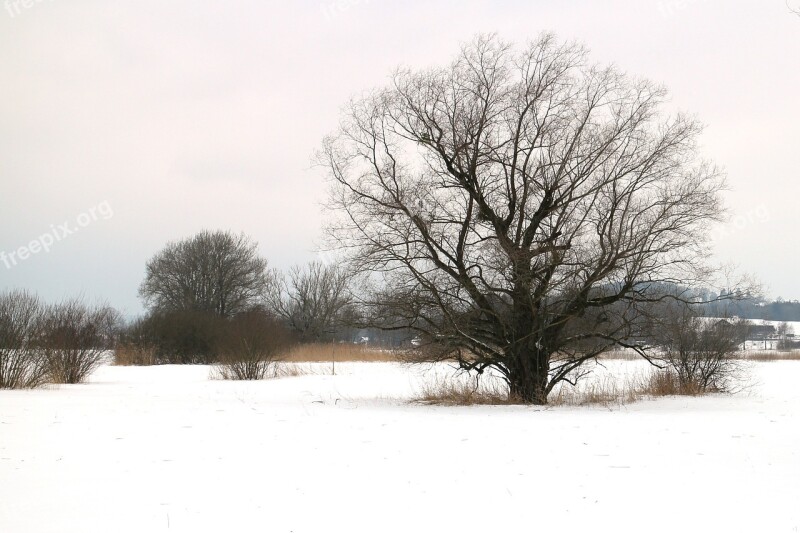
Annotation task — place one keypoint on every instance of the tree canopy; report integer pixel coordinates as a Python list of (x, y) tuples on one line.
[(216, 272), (521, 205)]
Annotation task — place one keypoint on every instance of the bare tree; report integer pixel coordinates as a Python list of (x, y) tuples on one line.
[(701, 351), (75, 339), (251, 345), (21, 362), (783, 332), (311, 299), (216, 272), (520, 206)]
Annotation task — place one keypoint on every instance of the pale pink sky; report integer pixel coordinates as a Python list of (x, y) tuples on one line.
[(177, 116)]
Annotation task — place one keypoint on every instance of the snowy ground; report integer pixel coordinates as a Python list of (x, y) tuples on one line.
[(794, 327), (166, 449)]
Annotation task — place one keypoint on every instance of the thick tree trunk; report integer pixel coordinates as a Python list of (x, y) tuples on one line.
[(528, 378)]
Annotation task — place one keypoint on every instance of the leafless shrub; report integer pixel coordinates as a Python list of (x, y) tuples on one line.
[(21, 363), (75, 338), (178, 337), (702, 353), (250, 346)]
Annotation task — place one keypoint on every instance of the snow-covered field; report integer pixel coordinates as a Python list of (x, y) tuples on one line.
[(794, 327), (166, 449)]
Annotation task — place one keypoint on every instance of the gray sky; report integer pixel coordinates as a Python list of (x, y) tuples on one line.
[(142, 122)]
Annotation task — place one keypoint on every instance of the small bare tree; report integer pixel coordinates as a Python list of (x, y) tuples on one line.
[(251, 345), (520, 206), (74, 339), (215, 272), (701, 351), (311, 300), (21, 362), (783, 332)]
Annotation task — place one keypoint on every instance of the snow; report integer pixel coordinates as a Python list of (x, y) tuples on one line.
[(794, 327), (164, 448)]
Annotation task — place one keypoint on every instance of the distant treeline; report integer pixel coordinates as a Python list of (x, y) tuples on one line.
[(779, 310)]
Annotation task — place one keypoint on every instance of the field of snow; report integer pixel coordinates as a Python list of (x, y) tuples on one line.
[(145, 449), (793, 326)]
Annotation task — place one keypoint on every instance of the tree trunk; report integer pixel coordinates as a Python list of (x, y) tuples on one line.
[(527, 378), (527, 360)]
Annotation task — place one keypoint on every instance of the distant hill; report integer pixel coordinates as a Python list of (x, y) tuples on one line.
[(753, 308)]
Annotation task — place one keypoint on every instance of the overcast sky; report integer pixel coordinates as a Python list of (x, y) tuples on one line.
[(143, 122)]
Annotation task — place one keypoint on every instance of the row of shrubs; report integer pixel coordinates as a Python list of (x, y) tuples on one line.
[(196, 337), (244, 346), (55, 343), (65, 342)]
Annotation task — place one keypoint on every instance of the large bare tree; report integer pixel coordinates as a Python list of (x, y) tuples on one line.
[(217, 272), (520, 204)]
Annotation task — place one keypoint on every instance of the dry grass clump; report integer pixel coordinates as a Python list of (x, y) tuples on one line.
[(667, 383), (133, 355), (276, 370), (773, 355), (284, 370), (603, 391), (620, 355), (326, 352), (764, 355), (452, 391), (294, 370)]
